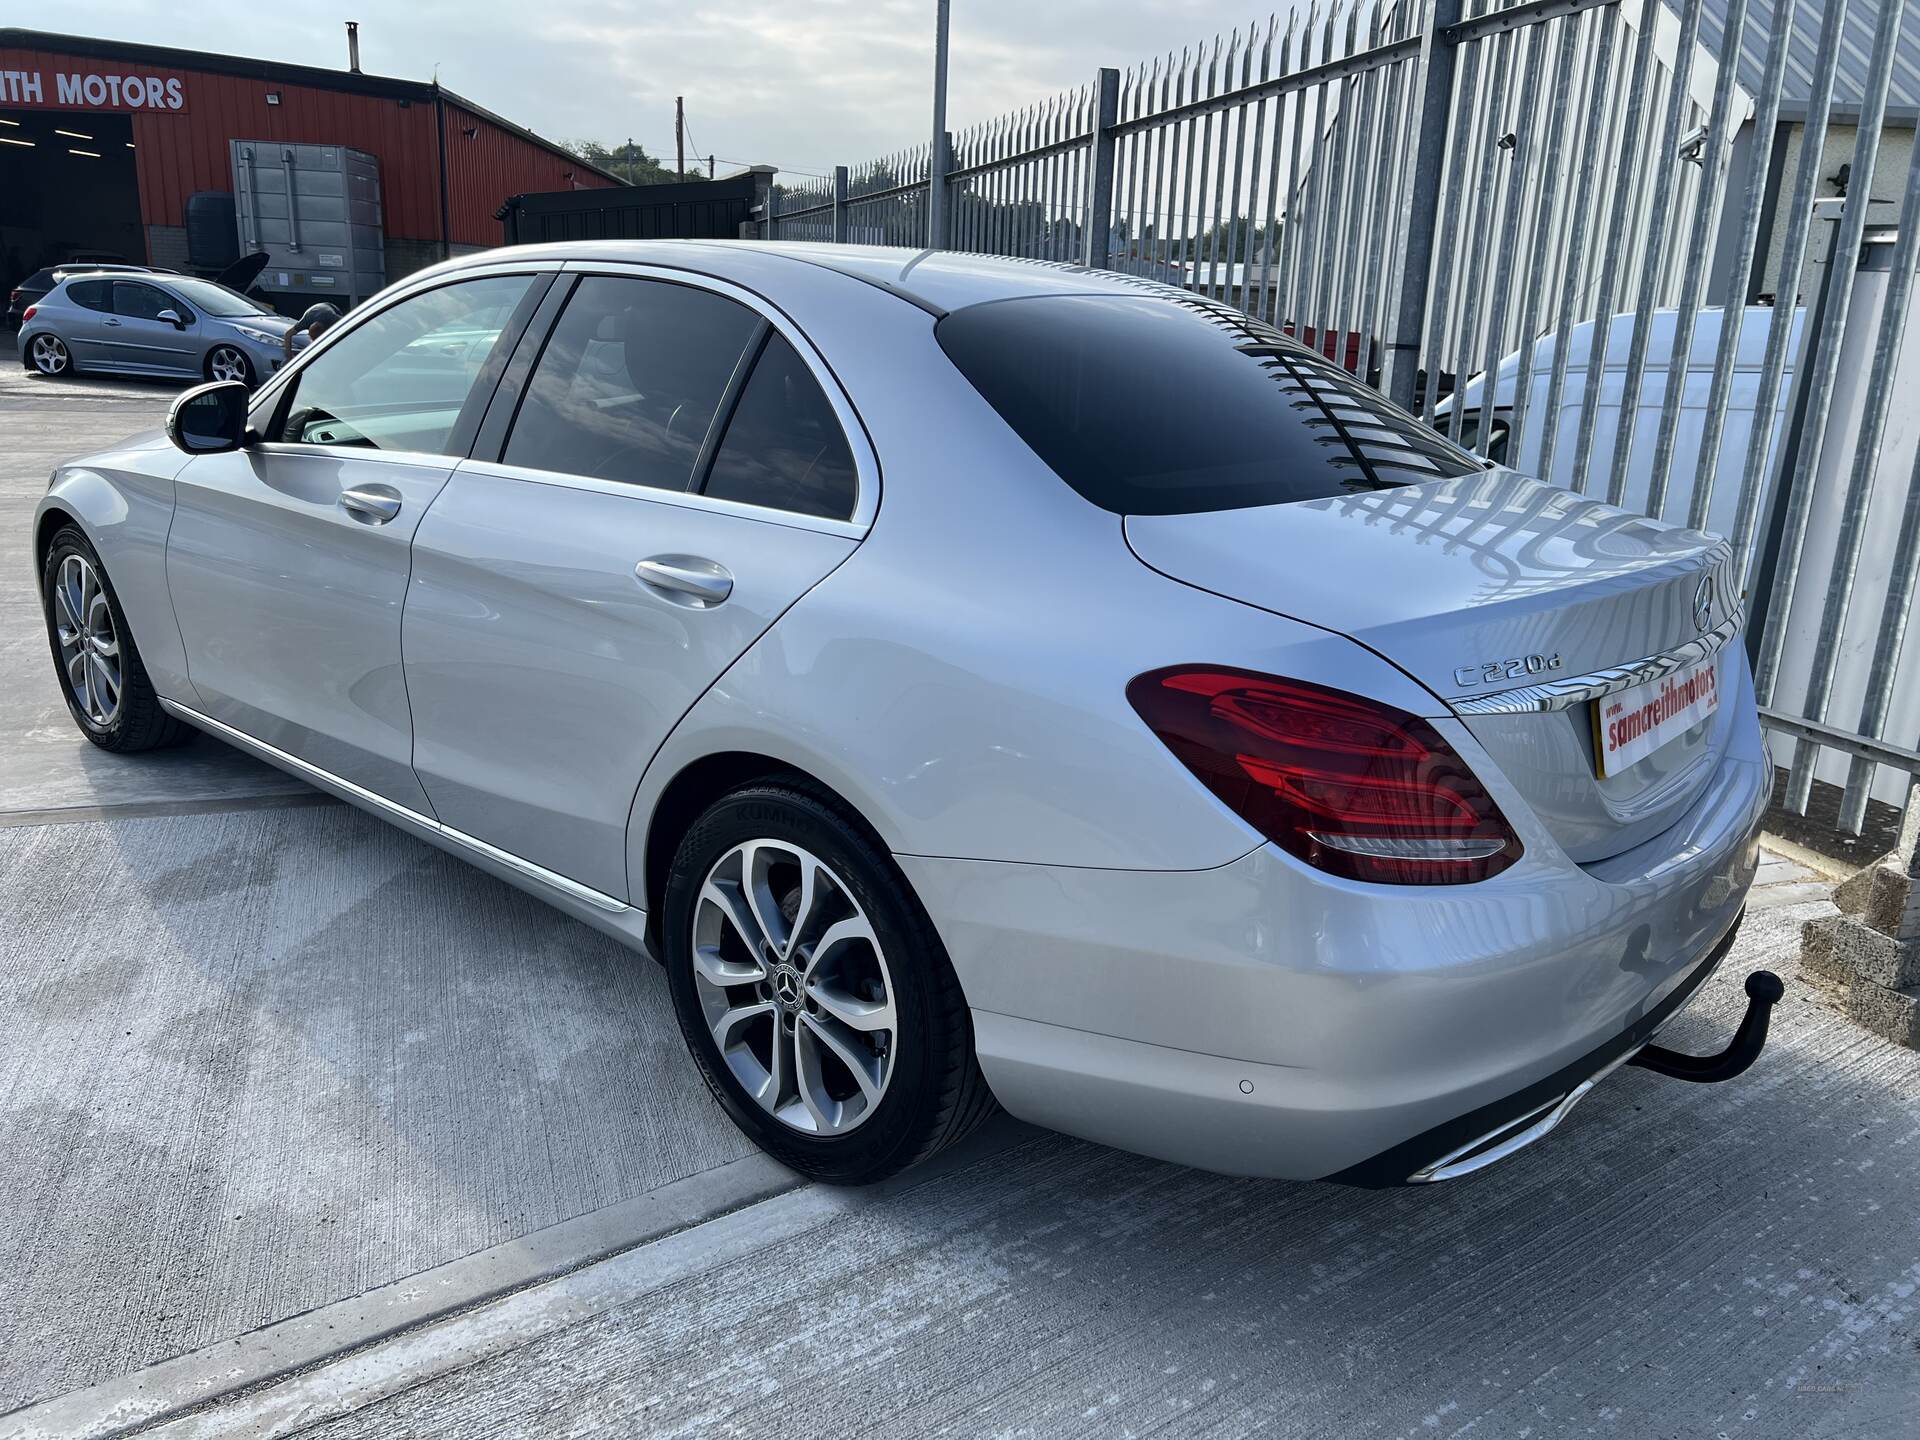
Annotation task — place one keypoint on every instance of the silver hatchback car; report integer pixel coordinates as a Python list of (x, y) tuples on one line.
[(975, 681), (150, 324)]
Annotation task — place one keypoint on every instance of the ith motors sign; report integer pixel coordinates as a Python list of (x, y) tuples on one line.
[(91, 90)]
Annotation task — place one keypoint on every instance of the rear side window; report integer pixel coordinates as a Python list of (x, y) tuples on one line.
[(1153, 406), (91, 294), (629, 382), (784, 447)]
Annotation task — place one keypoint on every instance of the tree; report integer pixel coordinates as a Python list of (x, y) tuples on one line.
[(630, 162)]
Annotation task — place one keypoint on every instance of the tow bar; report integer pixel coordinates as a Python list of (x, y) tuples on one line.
[(1764, 991)]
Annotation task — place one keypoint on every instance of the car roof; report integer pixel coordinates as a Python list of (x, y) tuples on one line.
[(64, 273), (939, 281), (949, 280)]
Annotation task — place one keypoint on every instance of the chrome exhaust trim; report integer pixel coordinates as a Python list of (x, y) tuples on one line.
[(1497, 1144), (1764, 991)]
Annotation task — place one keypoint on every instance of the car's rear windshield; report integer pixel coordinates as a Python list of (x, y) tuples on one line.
[(1166, 406)]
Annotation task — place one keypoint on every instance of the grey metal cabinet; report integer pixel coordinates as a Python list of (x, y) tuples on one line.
[(315, 210)]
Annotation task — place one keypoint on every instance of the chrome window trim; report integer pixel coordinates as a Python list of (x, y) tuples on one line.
[(1578, 689), (866, 463), (393, 809), (653, 494), (421, 459)]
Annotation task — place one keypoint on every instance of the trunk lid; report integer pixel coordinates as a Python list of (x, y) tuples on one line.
[(1480, 587)]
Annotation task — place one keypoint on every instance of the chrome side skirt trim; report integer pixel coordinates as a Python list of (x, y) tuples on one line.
[(1565, 694), (359, 794)]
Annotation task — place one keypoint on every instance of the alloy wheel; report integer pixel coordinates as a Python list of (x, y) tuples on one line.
[(89, 643), (794, 987), (49, 355), (227, 363)]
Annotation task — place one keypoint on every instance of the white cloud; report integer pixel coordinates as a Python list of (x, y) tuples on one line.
[(803, 84)]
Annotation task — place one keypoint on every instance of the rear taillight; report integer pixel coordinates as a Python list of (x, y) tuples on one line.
[(27, 314), (1351, 786), (14, 298)]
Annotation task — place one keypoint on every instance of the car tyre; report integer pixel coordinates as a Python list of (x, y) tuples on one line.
[(96, 662), (865, 950), (48, 355), (229, 362)]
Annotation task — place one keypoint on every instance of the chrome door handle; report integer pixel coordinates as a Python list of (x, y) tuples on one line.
[(376, 504), (701, 581)]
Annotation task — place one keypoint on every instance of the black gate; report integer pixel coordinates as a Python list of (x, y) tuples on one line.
[(686, 210)]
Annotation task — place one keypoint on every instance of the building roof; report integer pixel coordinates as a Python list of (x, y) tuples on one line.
[(1856, 52), (349, 82)]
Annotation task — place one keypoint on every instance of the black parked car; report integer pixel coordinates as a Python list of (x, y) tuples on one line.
[(36, 285)]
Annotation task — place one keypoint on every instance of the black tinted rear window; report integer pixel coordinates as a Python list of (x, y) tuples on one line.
[(1158, 406)]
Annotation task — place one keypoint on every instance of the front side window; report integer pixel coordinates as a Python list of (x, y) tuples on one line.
[(1151, 406), (140, 302), (784, 447), (630, 380), (401, 379)]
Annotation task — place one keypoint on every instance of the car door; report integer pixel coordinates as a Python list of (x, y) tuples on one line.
[(573, 594), (139, 340), (287, 560), (86, 308)]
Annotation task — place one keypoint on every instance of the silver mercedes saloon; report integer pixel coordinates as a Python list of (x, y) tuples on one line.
[(980, 683)]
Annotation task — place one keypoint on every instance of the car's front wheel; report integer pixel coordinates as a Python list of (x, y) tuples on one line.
[(49, 355), (105, 685), (813, 992), (227, 362)]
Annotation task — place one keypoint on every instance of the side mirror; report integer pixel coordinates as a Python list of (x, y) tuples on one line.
[(172, 317), (210, 419)]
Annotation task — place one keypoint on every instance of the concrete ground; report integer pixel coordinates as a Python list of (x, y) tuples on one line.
[(266, 1059), (307, 1128), (41, 766), (259, 1051)]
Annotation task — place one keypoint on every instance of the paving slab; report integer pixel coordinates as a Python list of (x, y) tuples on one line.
[(45, 763), (257, 1061)]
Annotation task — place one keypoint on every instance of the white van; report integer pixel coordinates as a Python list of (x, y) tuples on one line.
[(1756, 324), (1804, 643)]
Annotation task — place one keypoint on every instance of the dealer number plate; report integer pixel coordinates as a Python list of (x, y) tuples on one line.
[(1630, 725)]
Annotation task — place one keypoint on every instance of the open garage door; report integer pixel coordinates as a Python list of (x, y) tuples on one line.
[(70, 190)]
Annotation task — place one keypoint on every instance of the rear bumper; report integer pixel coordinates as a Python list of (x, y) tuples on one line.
[(1532, 1113), (1241, 1119), (1264, 1019)]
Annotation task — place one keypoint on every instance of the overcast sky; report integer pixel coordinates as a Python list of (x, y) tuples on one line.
[(803, 84)]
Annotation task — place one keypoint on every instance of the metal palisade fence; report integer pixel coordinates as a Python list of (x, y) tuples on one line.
[(1540, 225)]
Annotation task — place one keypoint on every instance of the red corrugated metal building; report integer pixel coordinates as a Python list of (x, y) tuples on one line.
[(102, 144)]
